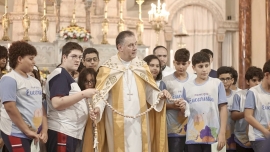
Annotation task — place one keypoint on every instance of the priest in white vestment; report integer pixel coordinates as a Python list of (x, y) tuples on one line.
[(127, 84)]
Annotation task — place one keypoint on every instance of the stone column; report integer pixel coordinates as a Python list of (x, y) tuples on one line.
[(87, 15), (220, 39), (267, 29), (168, 35), (244, 40)]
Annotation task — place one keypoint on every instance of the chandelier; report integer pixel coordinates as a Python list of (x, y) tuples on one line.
[(158, 17)]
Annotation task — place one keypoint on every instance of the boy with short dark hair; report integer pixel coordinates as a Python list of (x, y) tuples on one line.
[(67, 110), (253, 77), (213, 73), (208, 107), (257, 111), (90, 58), (235, 78), (225, 74), (173, 83)]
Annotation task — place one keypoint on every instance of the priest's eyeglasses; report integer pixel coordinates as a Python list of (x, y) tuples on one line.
[(91, 82), (225, 79)]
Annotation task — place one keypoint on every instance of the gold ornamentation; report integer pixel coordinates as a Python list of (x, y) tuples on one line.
[(44, 24), (5, 26), (140, 26), (105, 24)]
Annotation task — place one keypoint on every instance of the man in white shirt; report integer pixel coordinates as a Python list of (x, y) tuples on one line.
[(162, 53)]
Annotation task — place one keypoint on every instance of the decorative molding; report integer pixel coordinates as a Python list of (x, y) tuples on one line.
[(180, 4), (229, 25)]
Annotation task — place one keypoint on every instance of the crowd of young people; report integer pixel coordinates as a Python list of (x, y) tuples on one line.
[(219, 111)]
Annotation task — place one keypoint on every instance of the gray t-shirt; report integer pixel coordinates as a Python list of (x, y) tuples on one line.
[(176, 122), (27, 93), (258, 100)]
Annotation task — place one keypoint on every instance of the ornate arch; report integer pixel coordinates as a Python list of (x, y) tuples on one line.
[(213, 8)]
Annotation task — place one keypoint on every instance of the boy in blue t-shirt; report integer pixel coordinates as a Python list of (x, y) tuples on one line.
[(176, 120), (208, 108), (23, 118), (253, 77), (225, 74), (257, 111)]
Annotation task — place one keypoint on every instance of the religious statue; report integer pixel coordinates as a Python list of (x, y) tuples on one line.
[(105, 29), (5, 25), (45, 25), (26, 26), (139, 29)]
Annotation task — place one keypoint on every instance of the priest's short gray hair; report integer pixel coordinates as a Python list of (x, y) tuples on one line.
[(122, 35)]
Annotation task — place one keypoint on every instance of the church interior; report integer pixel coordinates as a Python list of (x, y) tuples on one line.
[(237, 31)]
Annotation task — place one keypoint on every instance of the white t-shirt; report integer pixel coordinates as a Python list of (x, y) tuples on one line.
[(258, 100), (176, 122), (230, 124), (203, 99), (70, 121), (167, 71), (27, 93), (240, 129)]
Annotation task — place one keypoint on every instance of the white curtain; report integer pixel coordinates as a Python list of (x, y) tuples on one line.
[(201, 27), (227, 49)]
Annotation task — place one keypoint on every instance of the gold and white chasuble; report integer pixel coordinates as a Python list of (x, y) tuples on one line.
[(130, 88)]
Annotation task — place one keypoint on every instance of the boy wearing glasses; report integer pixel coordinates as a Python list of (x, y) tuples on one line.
[(253, 77), (67, 110), (91, 58), (225, 74)]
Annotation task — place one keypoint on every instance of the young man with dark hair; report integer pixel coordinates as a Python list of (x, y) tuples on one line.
[(67, 110), (162, 53), (90, 58), (3, 59), (173, 83), (213, 73), (225, 74), (235, 78), (23, 118), (257, 111), (253, 77), (207, 101)]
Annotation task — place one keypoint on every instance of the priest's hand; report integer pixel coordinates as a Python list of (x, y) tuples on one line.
[(94, 114), (165, 94), (88, 93)]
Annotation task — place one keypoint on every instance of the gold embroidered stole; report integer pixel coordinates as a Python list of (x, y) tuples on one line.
[(110, 79)]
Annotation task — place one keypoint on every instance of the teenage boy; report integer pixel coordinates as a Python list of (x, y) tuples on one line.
[(257, 111), (162, 53), (207, 101), (90, 58), (253, 77), (23, 118), (225, 74), (67, 110), (173, 83), (213, 73), (235, 78)]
